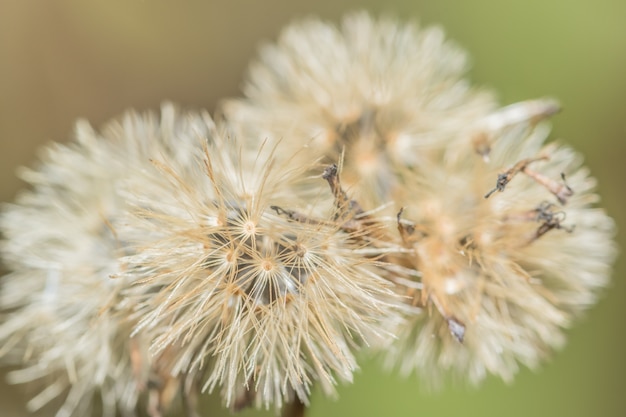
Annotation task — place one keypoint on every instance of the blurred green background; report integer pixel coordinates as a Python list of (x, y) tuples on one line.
[(60, 60)]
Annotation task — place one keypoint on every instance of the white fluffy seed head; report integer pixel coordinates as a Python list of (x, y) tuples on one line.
[(503, 270), (384, 92), (65, 324), (262, 301)]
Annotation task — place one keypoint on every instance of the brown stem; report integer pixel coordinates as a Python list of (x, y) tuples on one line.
[(295, 408)]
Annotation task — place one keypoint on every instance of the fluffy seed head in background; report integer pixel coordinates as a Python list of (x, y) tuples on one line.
[(496, 278), (64, 324), (263, 294), (385, 92), (509, 248)]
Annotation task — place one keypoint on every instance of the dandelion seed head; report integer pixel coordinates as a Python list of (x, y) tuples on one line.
[(502, 276), (260, 304), (384, 92), (65, 326)]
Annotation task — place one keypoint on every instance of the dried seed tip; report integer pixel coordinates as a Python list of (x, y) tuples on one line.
[(544, 214), (347, 209), (407, 230), (332, 176), (549, 225), (540, 213), (505, 178), (550, 220), (501, 182), (330, 172)]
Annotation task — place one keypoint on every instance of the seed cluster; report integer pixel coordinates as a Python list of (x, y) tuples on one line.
[(361, 195)]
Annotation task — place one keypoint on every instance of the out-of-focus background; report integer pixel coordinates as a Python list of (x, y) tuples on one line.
[(65, 59)]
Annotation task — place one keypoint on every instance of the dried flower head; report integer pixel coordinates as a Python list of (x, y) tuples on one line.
[(509, 249), (261, 293), (382, 91), (64, 322)]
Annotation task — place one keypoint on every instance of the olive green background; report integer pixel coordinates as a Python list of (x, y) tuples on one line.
[(60, 60)]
